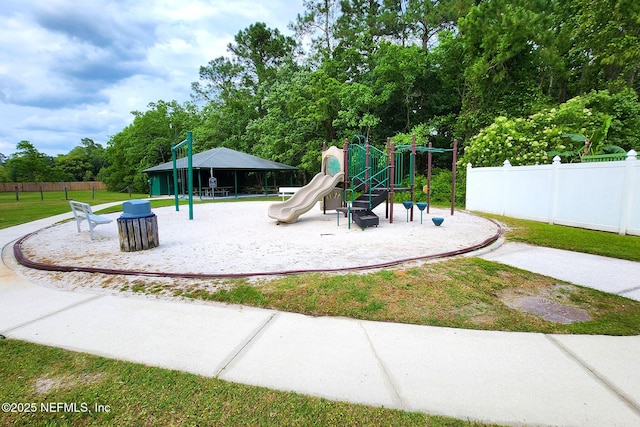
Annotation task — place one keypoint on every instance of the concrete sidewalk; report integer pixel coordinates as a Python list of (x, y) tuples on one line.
[(506, 378), (606, 274)]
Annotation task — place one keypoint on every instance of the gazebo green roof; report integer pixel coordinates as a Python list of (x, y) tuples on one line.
[(224, 158)]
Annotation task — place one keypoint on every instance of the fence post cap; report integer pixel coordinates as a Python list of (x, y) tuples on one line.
[(632, 155), (506, 163), (469, 165), (557, 160)]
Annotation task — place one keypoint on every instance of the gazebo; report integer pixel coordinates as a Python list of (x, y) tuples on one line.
[(234, 173)]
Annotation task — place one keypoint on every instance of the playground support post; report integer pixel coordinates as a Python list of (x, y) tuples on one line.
[(429, 159), (392, 174), (412, 167), (190, 171), (367, 166), (189, 142), (345, 151), (453, 175)]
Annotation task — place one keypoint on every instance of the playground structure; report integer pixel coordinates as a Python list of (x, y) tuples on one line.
[(331, 174), (369, 176)]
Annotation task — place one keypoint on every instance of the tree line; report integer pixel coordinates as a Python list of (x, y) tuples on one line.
[(441, 69), (83, 163)]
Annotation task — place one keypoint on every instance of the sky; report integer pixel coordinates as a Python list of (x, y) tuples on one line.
[(74, 69)]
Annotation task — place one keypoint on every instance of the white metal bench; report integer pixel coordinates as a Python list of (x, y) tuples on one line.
[(287, 191), (82, 211)]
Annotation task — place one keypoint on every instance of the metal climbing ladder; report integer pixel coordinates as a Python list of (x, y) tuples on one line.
[(371, 176)]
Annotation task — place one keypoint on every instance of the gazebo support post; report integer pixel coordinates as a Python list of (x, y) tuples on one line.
[(235, 182), (266, 184)]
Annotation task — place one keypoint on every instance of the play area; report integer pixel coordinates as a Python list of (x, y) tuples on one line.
[(359, 177), (356, 179), (237, 238), (353, 180), (344, 219)]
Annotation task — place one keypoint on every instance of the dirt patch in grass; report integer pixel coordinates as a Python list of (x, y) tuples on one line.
[(48, 384), (551, 303)]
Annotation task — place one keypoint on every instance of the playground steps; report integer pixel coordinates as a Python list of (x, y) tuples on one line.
[(369, 201), (365, 218)]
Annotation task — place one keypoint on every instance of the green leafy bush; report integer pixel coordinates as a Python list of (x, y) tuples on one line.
[(529, 141), (440, 188), (624, 108)]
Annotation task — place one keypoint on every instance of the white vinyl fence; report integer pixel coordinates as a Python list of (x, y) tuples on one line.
[(599, 196)]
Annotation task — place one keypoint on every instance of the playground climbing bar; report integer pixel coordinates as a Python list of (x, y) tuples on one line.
[(189, 143)]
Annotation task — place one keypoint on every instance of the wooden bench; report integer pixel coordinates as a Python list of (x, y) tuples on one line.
[(82, 211), (287, 191)]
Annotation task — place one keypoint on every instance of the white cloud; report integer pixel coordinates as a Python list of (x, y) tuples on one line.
[(71, 70)]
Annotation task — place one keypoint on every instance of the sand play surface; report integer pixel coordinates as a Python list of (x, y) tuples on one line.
[(239, 238)]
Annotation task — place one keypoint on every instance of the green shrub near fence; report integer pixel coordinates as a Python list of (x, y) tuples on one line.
[(440, 189)]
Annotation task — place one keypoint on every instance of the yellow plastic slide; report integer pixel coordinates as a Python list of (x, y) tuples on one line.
[(305, 198)]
